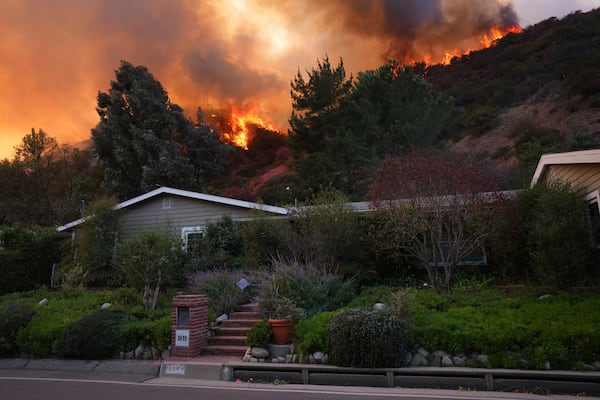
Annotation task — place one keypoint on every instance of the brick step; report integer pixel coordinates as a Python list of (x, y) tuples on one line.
[(224, 350), (231, 331), (227, 340), (249, 307), (244, 323), (244, 315)]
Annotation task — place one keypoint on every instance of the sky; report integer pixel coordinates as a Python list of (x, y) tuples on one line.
[(56, 55)]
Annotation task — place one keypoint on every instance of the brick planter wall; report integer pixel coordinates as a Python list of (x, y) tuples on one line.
[(198, 325)]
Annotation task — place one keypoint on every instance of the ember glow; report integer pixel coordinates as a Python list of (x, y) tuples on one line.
[(56, 55)]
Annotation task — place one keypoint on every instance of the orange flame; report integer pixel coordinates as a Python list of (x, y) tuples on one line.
[(239, 125), (487, 39)]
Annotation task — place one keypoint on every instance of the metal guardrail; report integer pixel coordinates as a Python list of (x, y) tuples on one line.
[(555, 382)]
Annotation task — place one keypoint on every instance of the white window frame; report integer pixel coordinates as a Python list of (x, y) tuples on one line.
[(187, 230), (591, 198)]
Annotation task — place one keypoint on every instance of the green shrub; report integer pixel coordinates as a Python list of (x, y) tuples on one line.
[(94, 336), (311, 334), (220, 285), (153, 332), (13, 316), (44, 333), (306, 286), (556, 227), (259, 334), (367, 339)]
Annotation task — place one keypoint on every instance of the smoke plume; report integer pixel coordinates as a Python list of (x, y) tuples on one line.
[(56, 55)]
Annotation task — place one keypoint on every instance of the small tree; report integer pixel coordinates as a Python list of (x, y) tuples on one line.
[(325, 231), (149, 261), (96, 246), (439, 207), (557, 234)]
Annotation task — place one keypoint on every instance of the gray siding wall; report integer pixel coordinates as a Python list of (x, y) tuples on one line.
[(184, 212)]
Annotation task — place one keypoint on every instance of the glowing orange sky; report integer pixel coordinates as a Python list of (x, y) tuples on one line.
[(57, 54)]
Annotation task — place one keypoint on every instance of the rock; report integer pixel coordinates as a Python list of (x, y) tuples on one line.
[(447, 361), (419, 361), (408, 358), (130, 355), (281, 360), (122, 355), (380, 307), (274, 360), (155, 353), (222, 317), (596, 364), (482, 360), (139, 352), (544, 296), (459, 361), (436, 362), (247, 358), (439, 353), (588, 367), (43, 302), (253, 359), (289, 358), (311, 359), (547, 365), (318, 356), (259, 352), (422, 351), (325, 359), (105, 306), (295, 358)]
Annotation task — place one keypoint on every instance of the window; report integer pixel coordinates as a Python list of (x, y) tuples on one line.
[(476, 257), (594, 217), (192, 236), (166, 203)]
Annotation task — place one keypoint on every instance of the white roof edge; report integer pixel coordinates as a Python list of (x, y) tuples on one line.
[(188, 194), (202, 196), (573, 157)]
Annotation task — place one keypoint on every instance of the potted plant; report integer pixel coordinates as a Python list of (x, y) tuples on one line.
[(282, 313)]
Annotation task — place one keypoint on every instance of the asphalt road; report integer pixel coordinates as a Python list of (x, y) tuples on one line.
[(52, 385)]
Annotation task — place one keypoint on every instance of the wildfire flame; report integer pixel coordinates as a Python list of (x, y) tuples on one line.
[(239, 124), (487, 39)]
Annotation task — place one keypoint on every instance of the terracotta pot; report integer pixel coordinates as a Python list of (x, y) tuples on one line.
[(282, 330)]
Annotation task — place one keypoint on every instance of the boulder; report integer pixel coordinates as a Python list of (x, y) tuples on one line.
[(419, 361), (259, 352)]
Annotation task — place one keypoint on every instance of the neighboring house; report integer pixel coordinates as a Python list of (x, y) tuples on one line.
[(183, 212), (581, 169)]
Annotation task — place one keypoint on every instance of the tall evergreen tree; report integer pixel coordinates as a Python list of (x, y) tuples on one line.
[(142, 138)]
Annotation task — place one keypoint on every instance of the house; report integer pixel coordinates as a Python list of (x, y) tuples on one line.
[(581, 169), (183, 212)]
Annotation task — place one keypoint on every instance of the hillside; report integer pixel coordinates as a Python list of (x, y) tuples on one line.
[(540, 86)]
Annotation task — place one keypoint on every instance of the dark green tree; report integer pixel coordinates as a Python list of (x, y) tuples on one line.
[(316, 104), (393, 110), (557, 233), (144, 140), (46, 182)]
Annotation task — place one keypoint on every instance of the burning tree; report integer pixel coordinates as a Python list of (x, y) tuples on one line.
[(437, 208)]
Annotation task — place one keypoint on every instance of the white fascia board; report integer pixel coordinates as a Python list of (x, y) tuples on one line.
[(572, 157)]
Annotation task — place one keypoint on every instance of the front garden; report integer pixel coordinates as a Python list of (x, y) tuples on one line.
[(479, 326)]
